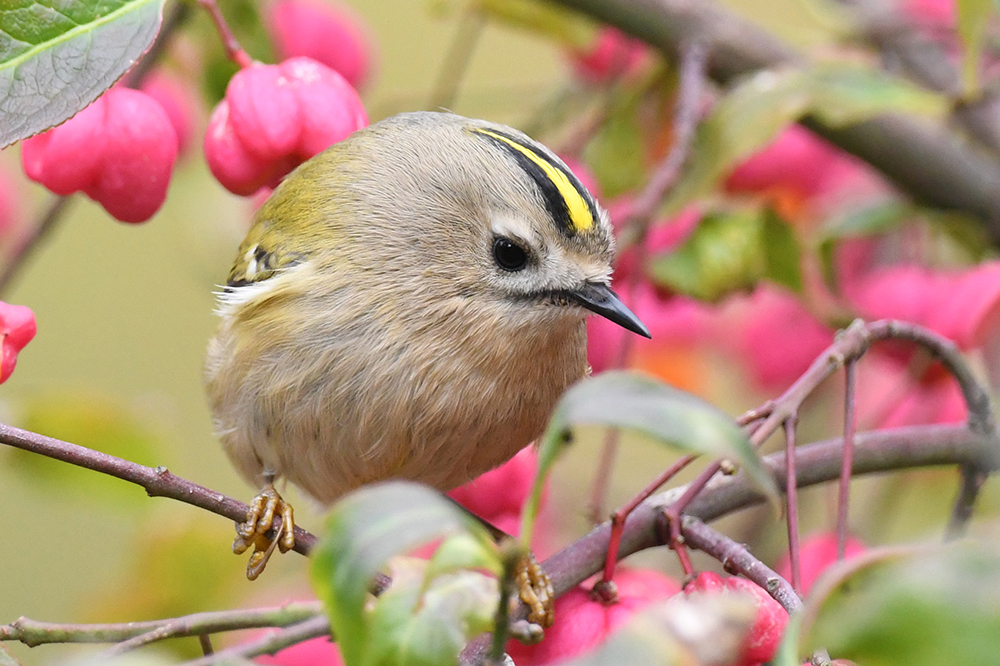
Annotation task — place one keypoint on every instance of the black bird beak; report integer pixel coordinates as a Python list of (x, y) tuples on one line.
[(599, 298)]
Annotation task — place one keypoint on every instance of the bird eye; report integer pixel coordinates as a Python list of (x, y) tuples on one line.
[(508, 255)]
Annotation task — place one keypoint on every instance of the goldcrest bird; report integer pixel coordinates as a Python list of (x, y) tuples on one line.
[(408, 304)]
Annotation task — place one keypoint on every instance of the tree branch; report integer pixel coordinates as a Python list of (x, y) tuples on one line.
[(737, 559), (930, 163), (279, 640), (33, 633), (157, 481)]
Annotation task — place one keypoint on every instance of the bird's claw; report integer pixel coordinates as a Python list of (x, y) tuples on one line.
[(259, 521), (535, 589)]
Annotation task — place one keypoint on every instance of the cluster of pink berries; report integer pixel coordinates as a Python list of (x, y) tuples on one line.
[(275, 117), (120, 151)]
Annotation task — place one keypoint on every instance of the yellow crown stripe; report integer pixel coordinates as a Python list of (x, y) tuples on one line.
[(579, 211)]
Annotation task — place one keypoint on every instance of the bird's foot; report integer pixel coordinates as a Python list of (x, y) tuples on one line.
[(535, 589), (259, 521)]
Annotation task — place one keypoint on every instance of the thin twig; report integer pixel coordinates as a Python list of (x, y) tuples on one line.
[(692, 78), (792, 501), (973, 478), (179, 12), (618, 517), (279, 640), (685, 119), (736, 559), (234, 51), (844, 489), (512, 553), (205, 641), (33, 633), (457, 59), (27, 246)]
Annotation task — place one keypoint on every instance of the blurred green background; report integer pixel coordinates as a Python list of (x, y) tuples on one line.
[(124, 313)]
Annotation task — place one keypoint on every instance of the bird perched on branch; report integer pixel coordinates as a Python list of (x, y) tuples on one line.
[(408, 304)]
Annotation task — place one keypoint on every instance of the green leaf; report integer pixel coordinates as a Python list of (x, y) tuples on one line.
[(88, 420), (463, 551), (58, 56), (843, 94), (682, 631), (364, 530), (753, 113), (414, 625), (924, 608), (566, 27), (731, 251), (616, 152), (872, 220), (783, 254), (643, 404), (973, 20)]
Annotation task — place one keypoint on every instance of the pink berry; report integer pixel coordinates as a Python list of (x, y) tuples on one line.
[(777, 337), (140, 148), (275, 117), (501, 491), (17, 325), (314, 652), (816, 555), (611, 55), (330, 35), (67, 158), (769, 624), (120, 151), (179, 103), (582, 622)]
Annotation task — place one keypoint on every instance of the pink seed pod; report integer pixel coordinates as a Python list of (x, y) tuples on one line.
[(17, 325), (332, 35), (275, 117), (120, 151)]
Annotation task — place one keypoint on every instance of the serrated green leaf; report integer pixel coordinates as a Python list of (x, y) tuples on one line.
[(56, 57), (972, 22), (729, 252), (364, 530), (919, 608), (643, 404)]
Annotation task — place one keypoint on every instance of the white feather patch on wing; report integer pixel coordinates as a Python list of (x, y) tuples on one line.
[(231, 299)]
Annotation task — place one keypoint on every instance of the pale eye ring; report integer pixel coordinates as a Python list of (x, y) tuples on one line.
[(509, 255)]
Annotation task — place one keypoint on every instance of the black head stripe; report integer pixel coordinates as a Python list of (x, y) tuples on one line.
[(555, 199)]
